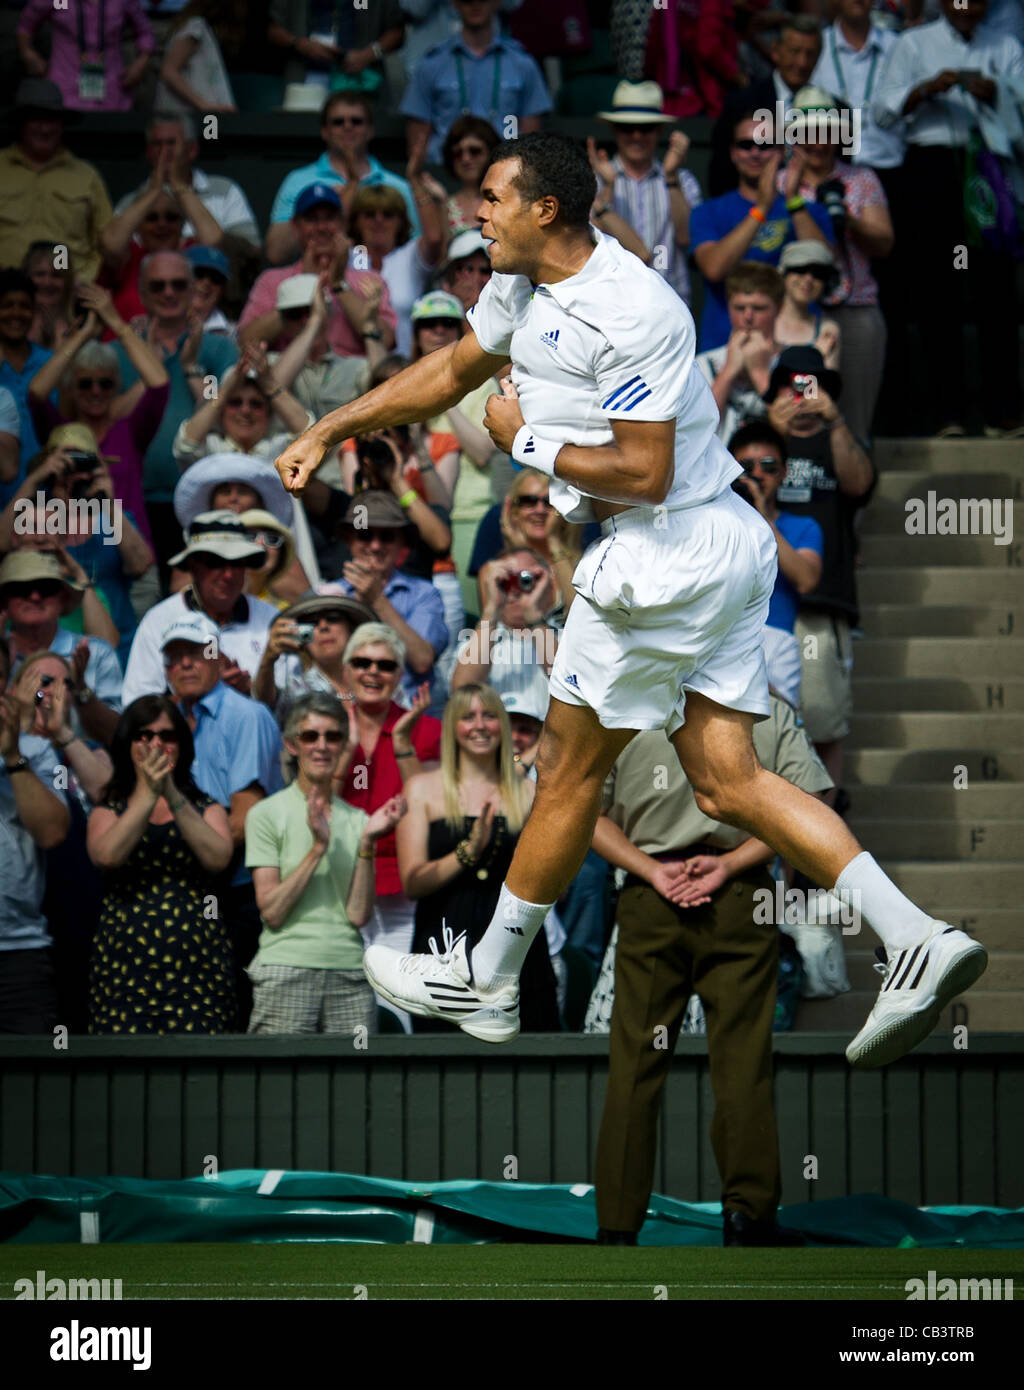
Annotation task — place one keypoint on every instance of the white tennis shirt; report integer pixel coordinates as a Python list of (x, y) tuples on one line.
[(613, 342)]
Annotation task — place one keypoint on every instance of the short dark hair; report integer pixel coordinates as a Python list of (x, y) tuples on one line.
[(758, 432), (138, 714), (552, 165), (460, 128), (346, 98), (14, 281)]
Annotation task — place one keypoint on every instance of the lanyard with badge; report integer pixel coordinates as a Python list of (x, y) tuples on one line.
[(841, 89), (92, 80), (495, 87)]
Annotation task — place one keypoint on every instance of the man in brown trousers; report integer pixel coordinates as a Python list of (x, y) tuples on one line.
[(689, 923)]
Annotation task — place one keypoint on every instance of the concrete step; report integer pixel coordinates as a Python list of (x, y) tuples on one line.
[(897, 485), (982, 1010), (975, 839), (977, 801), (901, 693), (941, 584), (981, 766), (940, 889), (926, 729), (897, 549), (1000, 928), (939, 656), (947, 455), (989, 620), (1005, 970)]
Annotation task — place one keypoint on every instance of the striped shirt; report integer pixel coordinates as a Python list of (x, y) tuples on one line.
[(643, 203)]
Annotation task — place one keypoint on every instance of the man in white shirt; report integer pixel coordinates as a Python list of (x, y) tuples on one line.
[(945, 84), (666, 630), (217, 555), (854, 52)]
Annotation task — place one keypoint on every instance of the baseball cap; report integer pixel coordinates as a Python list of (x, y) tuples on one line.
[(801, 253), (803, 360), (73, 436), (297, 292), (194, 627), (533, 701), (314, 196), (438, 304), (465, 244), (208, 258)]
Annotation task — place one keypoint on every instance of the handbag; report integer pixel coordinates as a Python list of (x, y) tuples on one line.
[(990, 212)]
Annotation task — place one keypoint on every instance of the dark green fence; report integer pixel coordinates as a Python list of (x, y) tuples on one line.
[(941, 1127)]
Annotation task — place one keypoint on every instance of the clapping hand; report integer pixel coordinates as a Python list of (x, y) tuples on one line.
[(401, 734), (483, 827), (385, 818), (153, 767), (10, 726), (318, 818), (675, 155), (601, 163)]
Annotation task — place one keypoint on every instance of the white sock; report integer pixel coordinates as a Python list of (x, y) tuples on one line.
[(889, 913), (498, 956)]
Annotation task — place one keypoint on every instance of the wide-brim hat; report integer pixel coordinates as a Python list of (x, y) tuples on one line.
[(196, 486), (23, 566), (797, 254), (258, 520), (374, 508), (814, 106), (637, 103), (222, 534), (324, 599), (802, 361), (303, 96)]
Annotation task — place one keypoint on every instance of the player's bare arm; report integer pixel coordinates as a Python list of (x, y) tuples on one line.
[(635, 470), (425, 389)]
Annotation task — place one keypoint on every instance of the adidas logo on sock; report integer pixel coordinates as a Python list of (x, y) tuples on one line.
[(516, 931)]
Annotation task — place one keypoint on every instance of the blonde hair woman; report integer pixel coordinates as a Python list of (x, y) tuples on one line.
[(528, 519), (457, 840)]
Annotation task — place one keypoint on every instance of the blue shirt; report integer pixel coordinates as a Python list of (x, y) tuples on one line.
[(17, 384), (803, 533), (160, 468), (716, 218), (452, 80), (237, 742), (419, 604), (323, 171)]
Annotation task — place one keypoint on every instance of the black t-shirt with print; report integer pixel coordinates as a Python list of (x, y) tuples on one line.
[(812, 489)]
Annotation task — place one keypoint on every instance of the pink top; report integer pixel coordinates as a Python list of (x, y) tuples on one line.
[(343, 338), (65, 63)]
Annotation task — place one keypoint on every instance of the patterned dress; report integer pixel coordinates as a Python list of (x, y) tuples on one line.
[(161, 962)]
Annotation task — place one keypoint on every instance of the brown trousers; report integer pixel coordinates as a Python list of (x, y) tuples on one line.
[(664, 955)]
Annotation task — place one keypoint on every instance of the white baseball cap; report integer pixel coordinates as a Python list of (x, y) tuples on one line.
[(193, 627)]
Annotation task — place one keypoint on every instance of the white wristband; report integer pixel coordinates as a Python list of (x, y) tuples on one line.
[(532, 451)]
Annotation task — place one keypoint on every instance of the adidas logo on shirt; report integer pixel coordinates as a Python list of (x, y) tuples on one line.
[(550, 338)]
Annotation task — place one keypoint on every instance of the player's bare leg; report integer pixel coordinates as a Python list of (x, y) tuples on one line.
[(928, 962), (481, 993)]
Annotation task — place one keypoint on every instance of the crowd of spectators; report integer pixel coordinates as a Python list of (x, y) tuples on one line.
[(244, 734)]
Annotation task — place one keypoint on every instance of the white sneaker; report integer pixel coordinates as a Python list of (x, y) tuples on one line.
[(919, 981), (439, 985)]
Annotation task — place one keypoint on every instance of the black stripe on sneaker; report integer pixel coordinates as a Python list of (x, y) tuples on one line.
[(897, 966), (917, 977), (910, 965)]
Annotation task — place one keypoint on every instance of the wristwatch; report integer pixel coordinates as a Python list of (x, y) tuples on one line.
[(84, 696), (20, 766)]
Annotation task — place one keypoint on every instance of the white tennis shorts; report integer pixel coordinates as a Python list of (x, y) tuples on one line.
[(670, 600)]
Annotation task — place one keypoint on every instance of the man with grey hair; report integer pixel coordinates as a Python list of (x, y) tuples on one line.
[(171, 149), (192, 359), (312, 861)]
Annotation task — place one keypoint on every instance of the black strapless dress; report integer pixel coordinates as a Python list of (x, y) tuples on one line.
[(466, 904)]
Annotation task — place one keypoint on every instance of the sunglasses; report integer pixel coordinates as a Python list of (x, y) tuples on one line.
[(86, 383), (253, 402), (635, 129), (209, 561), (42, 588), (522, 503), (161, 735), (386, 534), (466, 268), (356, 121), (333, 737), (748, 145), (270, 539), (160, 286), (387, 666), (819, 272), (468, 151), (163, 217), (333, 615), (437, 323), (769, 466), (379, 212)]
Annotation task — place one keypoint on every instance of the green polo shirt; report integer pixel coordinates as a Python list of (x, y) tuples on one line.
[(316, 933)]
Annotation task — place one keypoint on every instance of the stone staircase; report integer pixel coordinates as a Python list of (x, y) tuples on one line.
[(935, 759)]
